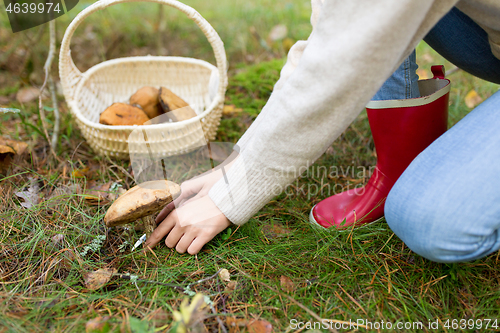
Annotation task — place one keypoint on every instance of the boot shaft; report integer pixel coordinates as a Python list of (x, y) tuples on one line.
[(402, 129)]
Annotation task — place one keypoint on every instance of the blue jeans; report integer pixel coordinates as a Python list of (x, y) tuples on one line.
[(446, 205)]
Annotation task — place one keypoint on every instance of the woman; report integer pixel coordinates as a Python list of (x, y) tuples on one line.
[(445, 206)]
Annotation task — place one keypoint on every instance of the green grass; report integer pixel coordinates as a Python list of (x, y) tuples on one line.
[(365, 274)]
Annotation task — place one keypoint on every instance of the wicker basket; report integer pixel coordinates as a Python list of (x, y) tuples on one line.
[(198, 82)]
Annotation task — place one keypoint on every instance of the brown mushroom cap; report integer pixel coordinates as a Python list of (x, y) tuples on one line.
[(147, 98), (140, 201), (176, 108), (123, 114)]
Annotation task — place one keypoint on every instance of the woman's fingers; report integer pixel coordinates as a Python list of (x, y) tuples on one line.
[(185, 241), (197, 244), (163, 229), (174, 236)]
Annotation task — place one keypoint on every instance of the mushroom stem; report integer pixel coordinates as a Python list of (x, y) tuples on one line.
[(149, 224)]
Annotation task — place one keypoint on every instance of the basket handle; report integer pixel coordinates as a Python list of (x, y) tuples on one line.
[(70, 75)]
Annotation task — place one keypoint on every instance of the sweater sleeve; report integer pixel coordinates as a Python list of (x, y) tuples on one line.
[(354, 48)]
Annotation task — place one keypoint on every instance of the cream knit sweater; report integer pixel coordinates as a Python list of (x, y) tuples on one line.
[(327, 80)]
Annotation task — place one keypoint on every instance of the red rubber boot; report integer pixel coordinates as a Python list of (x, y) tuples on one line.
[(401, 129)]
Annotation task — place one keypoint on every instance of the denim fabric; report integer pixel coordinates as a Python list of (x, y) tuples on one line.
[(403, 82), (446, 205), (465, 44)]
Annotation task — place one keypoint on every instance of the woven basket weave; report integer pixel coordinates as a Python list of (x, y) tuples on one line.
[(198, 82)]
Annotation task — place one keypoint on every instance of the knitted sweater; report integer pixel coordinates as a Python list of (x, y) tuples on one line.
[(327, 81)]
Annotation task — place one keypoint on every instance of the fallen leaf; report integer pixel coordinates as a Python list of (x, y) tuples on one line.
[(97, 279), (423, 74), (6, 155), (224, 275), (8, 151), (278, 32), (286, 284), (275, 230), (191, 315), (231, 286), (233, 323), (79, 173), (259, 326), (287, 44), (62, 192), (472, 99), (18, 146), (98, 194), (98, 324), (230, 110), (31, 196), (29, 94)]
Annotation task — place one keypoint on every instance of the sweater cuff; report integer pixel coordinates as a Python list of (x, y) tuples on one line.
[(235, 194)]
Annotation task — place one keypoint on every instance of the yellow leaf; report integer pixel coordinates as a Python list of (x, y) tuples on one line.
[(423, 74), (230, 109), (79, 173), (472, 99)]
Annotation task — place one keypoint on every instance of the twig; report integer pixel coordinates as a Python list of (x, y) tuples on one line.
[(46, 68), (57, 118), (162, 26)]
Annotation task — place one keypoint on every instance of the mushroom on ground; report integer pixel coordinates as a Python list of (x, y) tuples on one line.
[(142, 201)]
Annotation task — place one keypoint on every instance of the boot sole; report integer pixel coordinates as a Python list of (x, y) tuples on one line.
[(315, 224)]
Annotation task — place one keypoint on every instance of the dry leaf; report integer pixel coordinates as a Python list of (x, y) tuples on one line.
[(98, 195), (8, 151), (19, 147), (278, 32), (97, 279), (472, 99), (231, 286), (234, 323), (275, 230), (423, 74), (286, 284), (62, 192), (98, 324), (79, 173), (29, 94), (253, 325), (31, 196), (259, 326), (224, 275), (230, 109), (287, 44)]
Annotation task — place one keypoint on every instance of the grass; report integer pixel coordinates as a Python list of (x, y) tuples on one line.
[(281, 264)]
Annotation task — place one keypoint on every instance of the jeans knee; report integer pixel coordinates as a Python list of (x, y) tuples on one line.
[(416, 223), (437, 233)]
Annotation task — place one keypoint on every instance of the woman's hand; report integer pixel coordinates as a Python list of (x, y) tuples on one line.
[(192, 220)]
